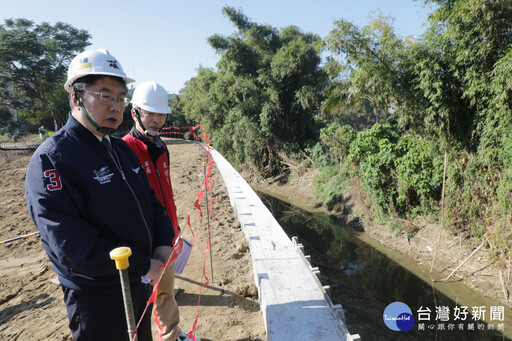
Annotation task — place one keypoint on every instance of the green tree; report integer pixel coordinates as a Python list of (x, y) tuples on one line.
[(370, 64), (261, 100), (33, 65), (7, 123), (475, 37), (455, 62)]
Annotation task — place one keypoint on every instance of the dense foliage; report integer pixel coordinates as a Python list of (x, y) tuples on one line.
[(445, 92), (261, 100)]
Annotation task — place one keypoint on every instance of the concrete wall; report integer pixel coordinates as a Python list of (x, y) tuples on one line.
[(294, 303)]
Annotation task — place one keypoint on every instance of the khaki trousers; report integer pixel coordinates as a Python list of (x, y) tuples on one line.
[(166, 309)]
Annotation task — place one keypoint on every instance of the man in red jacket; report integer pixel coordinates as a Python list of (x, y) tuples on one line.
[(150, 108)]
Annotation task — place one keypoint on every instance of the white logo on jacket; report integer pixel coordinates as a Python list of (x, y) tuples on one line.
[(103, 175), (146, 166)]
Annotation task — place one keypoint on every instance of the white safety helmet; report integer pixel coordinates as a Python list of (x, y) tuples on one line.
[(152, 97), (95, 62)]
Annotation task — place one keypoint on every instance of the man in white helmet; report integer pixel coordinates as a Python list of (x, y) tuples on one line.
[(150, 108), (87, 195)]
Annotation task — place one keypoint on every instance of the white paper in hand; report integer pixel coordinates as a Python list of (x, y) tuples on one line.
[(181, 260)]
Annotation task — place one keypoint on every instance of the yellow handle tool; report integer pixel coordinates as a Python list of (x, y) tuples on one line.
[(120, 255)]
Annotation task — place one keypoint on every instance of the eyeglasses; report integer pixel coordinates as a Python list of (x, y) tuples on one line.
[(108, 99)]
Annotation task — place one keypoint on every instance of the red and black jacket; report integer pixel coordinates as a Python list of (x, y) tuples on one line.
[(155, 162)]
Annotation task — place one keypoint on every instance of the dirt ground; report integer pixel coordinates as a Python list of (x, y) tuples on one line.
[(31, 307)]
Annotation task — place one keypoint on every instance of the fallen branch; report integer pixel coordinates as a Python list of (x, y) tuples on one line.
[(465, 260), (508, 269), (19, 237), (505, 292)]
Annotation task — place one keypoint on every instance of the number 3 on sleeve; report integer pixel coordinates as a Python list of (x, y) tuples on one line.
[(55, 183)]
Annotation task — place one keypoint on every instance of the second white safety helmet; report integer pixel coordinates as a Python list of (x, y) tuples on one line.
[(152, 97), (95, 62)]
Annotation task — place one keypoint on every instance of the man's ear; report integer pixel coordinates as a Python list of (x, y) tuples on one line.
[(135, 114), (74, 98)]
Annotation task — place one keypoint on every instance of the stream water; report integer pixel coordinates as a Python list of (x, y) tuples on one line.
[(365, 277)]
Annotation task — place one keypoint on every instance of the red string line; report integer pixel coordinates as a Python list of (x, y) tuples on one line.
[(176, 250)]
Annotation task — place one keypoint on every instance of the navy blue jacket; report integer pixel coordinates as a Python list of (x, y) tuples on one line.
[(85, 205)]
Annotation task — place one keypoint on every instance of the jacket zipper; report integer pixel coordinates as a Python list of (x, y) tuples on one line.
[(118, 166)]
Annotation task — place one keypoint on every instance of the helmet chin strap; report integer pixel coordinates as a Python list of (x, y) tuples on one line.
[(153, 134), (102, 130)]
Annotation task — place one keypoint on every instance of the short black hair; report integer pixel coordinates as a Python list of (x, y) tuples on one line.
[(82, 83)]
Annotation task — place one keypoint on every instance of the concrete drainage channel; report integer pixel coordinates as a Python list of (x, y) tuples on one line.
[(294, 303)]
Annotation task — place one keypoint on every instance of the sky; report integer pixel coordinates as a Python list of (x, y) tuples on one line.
[(166, 40)]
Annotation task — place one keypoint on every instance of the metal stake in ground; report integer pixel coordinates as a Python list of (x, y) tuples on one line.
[(120, 255), (19, 237), (208, 216)]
